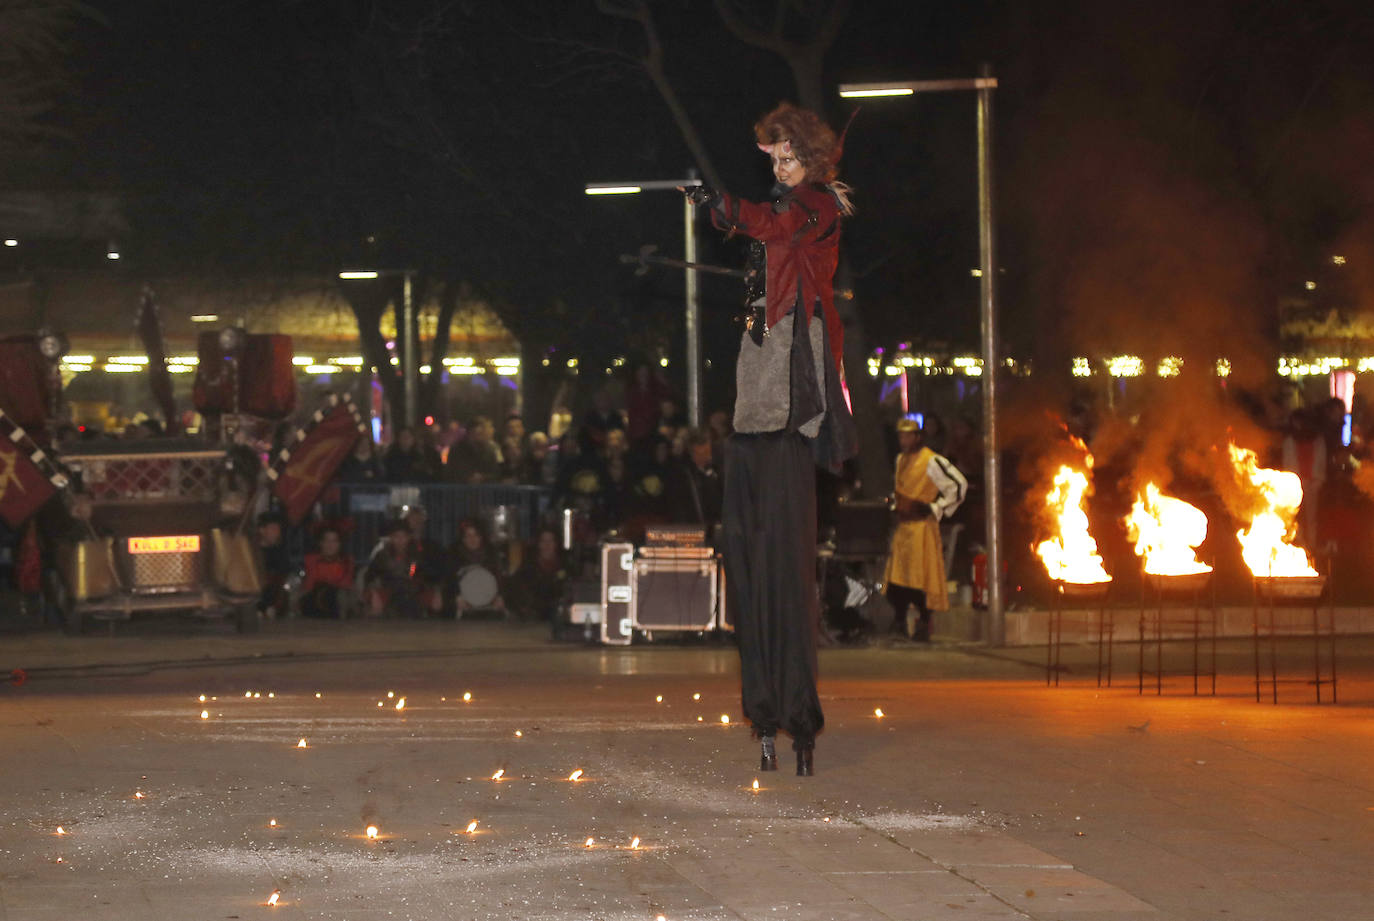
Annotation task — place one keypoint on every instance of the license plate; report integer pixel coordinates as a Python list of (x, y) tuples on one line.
[(185, 543)]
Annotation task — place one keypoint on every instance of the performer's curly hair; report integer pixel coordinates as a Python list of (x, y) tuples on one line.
[(813, 141)]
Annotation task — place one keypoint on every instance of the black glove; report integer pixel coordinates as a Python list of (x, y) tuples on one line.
[(701, 195)]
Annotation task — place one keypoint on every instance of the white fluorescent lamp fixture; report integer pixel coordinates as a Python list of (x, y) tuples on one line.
[(350, 274), (205, 318), (630, 188), (908, 87)]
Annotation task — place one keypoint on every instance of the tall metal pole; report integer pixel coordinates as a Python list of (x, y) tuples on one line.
[(693, 317), (991, 363), (411, 360)]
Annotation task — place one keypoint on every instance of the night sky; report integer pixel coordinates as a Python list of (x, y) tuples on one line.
[(1167, 173)]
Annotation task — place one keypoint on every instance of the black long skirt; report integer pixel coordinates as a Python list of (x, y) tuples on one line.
[(770, 566)]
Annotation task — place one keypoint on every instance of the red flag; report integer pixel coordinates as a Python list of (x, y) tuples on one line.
[(302, 470), (24, 478)]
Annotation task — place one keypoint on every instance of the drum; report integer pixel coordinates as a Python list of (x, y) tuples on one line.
[(477, 586)]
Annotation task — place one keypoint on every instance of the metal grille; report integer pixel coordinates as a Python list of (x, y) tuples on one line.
[(154, 572), (150, 476)]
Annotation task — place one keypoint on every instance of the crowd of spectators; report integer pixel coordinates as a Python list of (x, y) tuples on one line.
[(619, 467)]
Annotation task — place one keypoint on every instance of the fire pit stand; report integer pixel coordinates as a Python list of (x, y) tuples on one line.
[(1295, 594), (1189, 611), (1094, 598)]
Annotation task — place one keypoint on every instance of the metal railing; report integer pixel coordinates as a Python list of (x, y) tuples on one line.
[(512, 512)]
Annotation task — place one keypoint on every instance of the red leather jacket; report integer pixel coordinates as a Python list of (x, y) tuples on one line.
[(801, 234)]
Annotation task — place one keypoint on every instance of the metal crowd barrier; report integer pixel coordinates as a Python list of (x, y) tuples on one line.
[(517, 509)]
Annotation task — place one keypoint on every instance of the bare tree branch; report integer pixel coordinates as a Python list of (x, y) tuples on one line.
[(652, 62)]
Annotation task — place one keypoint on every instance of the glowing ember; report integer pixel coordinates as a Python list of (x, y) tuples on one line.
[(634, 845), (271, 694), (659, 699), (472, 826), (696, 696), (467, 696), (318, 695), (138, 794), (272, 823), (202, 698), (756, 785), (390, 695), (401, 704), (301, 744), (205, 714), (371, 831), (589, 842), (878, 712), (701, 719), (257, 694), (501, 772), (518, 733), (61, 830), (272, 899), (725, 719), (1266, 545), (1165, 531), (1071, 555), (380, 704), (575, 775), (248, 694)]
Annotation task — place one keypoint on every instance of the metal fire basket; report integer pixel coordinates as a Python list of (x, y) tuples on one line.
[(1295, 593)]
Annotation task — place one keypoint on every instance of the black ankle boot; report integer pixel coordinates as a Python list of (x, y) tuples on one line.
[(804, 766), (769, 759)]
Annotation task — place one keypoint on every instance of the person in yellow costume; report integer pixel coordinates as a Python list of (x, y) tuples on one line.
[(928, 489)]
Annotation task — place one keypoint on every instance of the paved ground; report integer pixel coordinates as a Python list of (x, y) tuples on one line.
[(980, 794)]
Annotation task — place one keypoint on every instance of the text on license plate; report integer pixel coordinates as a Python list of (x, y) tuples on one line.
[(185, 543)]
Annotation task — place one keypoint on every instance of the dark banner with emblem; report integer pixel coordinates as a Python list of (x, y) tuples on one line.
[(28, 477), (302, 470)]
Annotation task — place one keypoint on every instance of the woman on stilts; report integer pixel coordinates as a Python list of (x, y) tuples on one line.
[(790, 416)]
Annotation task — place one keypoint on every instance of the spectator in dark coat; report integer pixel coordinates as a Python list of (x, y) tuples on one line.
[(407, 461)]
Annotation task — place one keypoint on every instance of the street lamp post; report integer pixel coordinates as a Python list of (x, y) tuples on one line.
[(693, 311), (983, 86), (410, 366)]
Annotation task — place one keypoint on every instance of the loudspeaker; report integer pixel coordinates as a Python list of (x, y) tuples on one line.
[(675, 593), (862, 528)]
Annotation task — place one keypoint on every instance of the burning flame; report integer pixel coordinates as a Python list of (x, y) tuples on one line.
[(634, 845), (318, 695), (205, 714), (301, 744), (390, 694), (589, 842), (501, 772), (696, 696), (472, 826), (467, 696), (401, 704), (272, 823), (1071, 555), (725, 719), (1265, 545), (371, 831), (518, 733), (756, 785), (1165, 531), (659, 699), (202, 698), (138, 794), (575, 775), (878, 712), (272, 899), (61, 830)]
